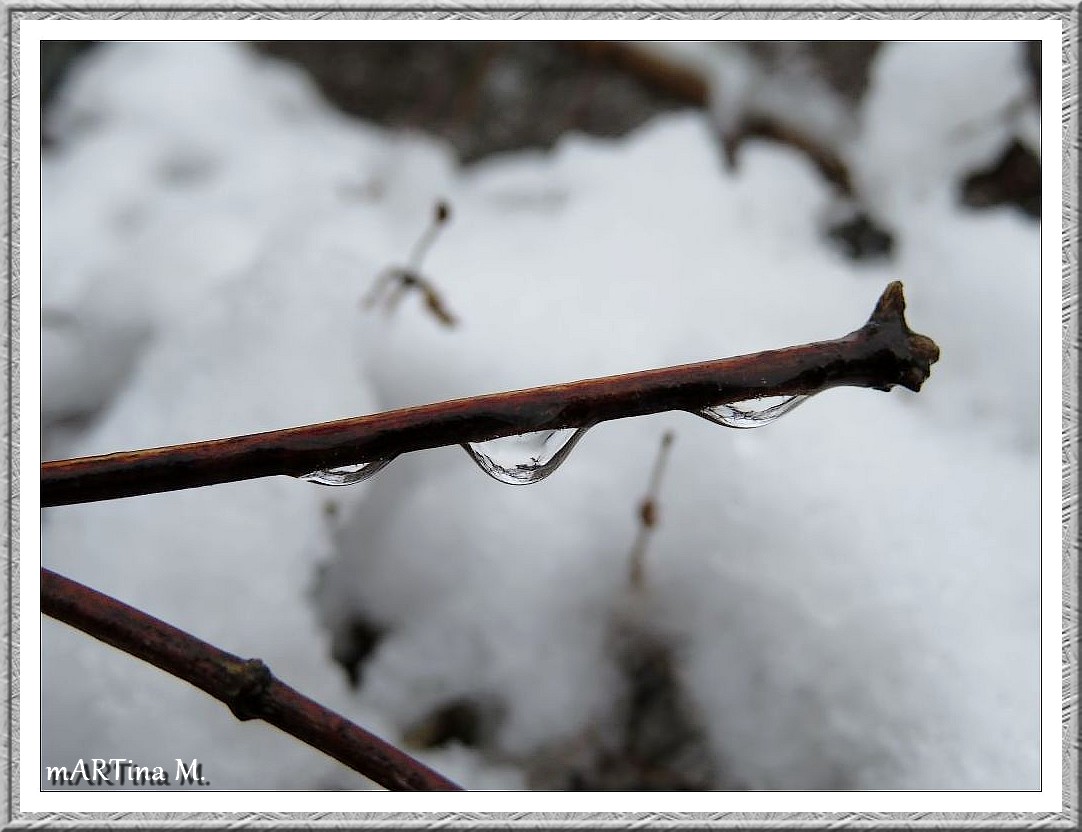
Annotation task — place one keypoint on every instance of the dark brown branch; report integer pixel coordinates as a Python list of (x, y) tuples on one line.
[(665, 75), (831, 166), (247, 687), (688, 84), (881, 354)]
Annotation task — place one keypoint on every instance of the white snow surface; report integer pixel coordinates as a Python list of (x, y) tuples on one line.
[(855, 587)]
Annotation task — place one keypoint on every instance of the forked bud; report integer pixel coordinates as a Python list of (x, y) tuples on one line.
[(915, 353)]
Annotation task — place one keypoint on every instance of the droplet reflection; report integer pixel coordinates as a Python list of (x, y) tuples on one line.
[(526, 458), (347, 474), (754, 413), (530, 457)]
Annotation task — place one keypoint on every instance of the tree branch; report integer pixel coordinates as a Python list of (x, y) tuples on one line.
[(246, 686), (881, 354)]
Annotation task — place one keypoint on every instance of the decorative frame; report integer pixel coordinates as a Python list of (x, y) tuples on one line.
[(18, 12)]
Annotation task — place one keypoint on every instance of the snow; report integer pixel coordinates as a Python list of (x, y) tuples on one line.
[(854, 590), (948, 129)]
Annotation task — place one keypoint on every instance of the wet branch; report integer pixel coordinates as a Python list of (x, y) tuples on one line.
[(246, 686), (881, 354)]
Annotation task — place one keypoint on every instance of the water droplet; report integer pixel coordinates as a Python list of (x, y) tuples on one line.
[(754, 413), (526, 458), (347, 474)]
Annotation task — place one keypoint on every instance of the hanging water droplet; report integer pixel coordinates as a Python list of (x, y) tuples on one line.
[(754, 413), (526, 458), (347, 474)]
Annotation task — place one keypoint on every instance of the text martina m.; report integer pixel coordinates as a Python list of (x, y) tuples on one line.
[(119, 771)]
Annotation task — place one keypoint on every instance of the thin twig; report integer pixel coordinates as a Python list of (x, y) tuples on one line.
[(247, 687), (648, 514), (393, 283), (881, 354)]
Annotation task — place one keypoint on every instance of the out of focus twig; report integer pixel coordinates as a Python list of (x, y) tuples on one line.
[(246, 686), (648, 514), (654, 70), (691, 85), (881, 354), (831, 166), (393, 283)]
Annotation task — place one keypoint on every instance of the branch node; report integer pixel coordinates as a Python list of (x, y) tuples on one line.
[(245, 686), (250, 680)]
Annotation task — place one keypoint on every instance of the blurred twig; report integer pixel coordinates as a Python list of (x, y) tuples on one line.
[(831, 166), (692, 86), (394, 282), (882, 353), (247, 687), (681, 82), (648, 514)]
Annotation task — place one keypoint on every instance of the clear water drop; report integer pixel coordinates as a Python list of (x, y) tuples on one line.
[(526, 458), (754, 413), (347, 474)]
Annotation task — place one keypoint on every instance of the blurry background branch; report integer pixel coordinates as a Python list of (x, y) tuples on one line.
[(648, 514), (492, 97)]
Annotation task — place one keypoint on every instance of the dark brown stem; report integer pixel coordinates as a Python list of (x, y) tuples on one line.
[(832, 167), (690, 85), (683, 83), (881, 354), (246, 686)]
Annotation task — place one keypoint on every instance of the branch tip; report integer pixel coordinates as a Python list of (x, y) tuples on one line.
[(914, 353), (891, 304)]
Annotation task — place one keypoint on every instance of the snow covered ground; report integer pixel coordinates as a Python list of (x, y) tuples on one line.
[(851, 593)]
